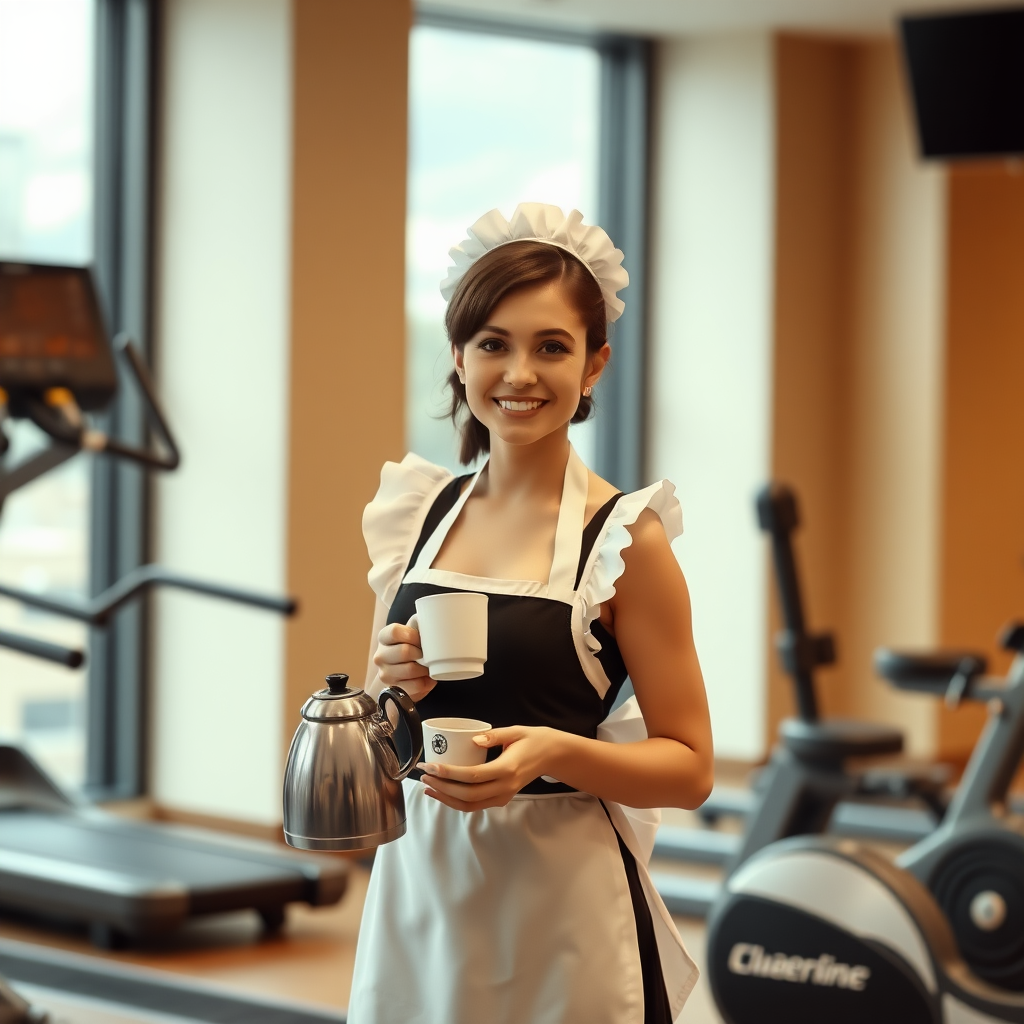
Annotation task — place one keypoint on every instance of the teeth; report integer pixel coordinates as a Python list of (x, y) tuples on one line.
[(518, 406)]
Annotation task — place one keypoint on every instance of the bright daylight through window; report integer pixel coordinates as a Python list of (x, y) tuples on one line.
[(46, 183), (485, 132)]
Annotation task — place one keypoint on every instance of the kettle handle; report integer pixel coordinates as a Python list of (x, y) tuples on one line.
[(408, 713)]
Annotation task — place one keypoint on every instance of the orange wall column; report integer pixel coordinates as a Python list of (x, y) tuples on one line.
[(983, 491), (858, 364), (347, 319), (812, 336)]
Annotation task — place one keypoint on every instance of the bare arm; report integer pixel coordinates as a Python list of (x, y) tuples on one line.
[(674, 766), (652, 622)]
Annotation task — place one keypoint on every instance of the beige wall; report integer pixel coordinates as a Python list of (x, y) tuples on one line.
[(858, 381), (709, 383), (221, 325), (280, 323), (347, 320)]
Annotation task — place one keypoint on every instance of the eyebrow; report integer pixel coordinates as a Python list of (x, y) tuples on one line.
[(549, 331)]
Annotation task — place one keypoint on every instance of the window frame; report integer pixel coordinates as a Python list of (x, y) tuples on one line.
[(126, 35), (623, 163)]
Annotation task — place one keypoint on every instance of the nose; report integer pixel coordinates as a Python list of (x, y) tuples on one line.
[(519, 374)]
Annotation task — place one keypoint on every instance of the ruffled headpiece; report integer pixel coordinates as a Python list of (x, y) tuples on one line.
[(543, 223)]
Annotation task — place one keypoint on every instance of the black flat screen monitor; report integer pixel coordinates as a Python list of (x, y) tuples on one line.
[(966, 74)]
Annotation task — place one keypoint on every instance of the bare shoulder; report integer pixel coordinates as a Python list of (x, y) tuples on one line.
[(650, 563), (648, 532)]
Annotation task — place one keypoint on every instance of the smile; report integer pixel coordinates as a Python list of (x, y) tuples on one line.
[(521, 406)]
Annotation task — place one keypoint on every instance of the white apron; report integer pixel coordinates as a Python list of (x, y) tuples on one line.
[(519, 914)]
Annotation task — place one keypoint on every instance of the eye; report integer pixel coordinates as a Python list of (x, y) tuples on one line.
[(490, 345), (553, 348)]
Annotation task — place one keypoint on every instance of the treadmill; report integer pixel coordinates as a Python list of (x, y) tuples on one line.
[(59, 857)]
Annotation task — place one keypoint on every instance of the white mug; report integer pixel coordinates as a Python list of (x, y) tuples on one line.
[(450, 741), (453, 634)]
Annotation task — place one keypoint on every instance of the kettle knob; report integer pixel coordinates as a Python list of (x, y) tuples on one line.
[(337, 683)]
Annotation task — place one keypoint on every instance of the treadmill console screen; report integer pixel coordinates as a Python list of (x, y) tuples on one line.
[(52, 334)]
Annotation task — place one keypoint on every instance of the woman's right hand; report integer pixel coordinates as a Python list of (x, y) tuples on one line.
[(398, 648)]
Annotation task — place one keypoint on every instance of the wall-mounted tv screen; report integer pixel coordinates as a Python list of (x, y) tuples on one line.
[(966, 74)]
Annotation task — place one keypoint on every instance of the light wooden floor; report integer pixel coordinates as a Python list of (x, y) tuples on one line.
[(311, 961)]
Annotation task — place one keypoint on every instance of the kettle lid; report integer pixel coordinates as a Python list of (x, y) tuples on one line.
[(339, 701)]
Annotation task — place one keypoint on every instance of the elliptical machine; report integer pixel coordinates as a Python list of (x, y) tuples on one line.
[(813, 929)]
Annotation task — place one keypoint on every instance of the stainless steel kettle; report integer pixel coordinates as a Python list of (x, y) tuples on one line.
[(343, 779)]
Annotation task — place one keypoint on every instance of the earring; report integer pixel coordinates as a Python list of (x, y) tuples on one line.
[(586, 391)]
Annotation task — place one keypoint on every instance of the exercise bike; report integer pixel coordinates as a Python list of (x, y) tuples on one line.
[(813, 929), (809, 784)]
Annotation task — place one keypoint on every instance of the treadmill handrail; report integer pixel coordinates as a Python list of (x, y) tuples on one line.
[(97, 610), (69, 657), (66, 432)]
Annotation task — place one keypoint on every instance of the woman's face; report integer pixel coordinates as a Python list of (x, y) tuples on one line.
[(526, 368)]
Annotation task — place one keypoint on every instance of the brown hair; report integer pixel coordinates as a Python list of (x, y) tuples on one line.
[(487, 282)]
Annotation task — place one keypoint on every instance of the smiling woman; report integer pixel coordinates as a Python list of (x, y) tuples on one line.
[(520, 893), (545, 325)]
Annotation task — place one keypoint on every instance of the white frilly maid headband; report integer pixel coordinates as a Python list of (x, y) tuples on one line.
[(543, 223)]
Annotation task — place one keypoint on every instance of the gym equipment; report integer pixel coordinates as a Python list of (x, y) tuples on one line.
[(58, 857), (808, 777), (813, 929), (973, 863)]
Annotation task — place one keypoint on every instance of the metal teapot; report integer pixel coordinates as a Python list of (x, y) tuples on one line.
[(343, 778)]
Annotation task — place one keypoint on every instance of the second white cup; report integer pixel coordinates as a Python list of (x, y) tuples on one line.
[(453, 634), (450, 741)]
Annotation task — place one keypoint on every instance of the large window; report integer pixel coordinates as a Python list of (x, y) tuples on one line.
[(75, 142), (46, 189), (498, 118)]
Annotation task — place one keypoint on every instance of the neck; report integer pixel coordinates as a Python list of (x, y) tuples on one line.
[(535, 470)]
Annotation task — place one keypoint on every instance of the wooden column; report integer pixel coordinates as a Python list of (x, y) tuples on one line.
[(347, 319)]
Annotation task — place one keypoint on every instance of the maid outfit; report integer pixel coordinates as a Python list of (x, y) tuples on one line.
[(541, 911)]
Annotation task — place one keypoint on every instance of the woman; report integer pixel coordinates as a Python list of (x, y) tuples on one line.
[(520, 893)]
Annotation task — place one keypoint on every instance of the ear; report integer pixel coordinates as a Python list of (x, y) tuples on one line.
[(460, 362), (596, 363)]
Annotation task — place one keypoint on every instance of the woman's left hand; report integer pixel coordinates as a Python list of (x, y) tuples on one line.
[(529, 750)]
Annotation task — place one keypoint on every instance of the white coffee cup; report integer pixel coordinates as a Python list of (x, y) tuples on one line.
[(453, 634), (450, 741)]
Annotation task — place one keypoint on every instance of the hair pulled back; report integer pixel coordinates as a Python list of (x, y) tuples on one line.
[(496, 275)]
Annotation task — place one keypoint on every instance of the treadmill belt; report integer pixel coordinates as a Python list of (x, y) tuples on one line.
[(121, 847), (158, 996)]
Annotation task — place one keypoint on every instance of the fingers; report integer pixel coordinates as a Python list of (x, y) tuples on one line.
[(499, 737), (396, 633), (469, 788), (471, 775), (396, 658), (462, 805)]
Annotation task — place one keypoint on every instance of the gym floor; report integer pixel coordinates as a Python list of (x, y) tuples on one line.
[(309, 962)]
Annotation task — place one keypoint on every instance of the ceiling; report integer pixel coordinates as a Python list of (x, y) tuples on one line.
[(688, 17)]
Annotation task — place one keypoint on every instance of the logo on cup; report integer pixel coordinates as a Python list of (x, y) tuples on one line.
[(439, 743)]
